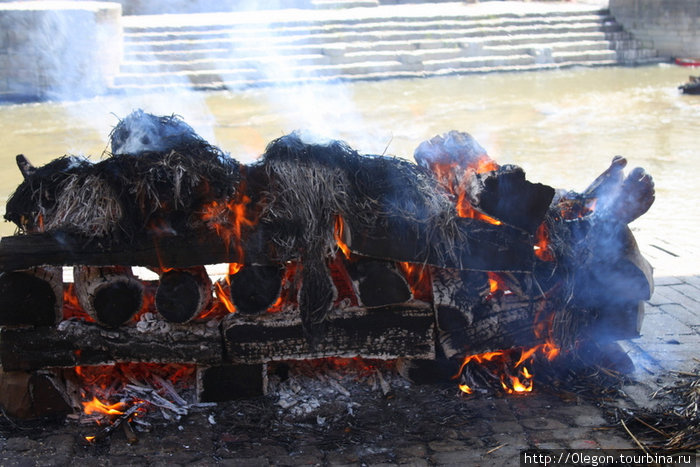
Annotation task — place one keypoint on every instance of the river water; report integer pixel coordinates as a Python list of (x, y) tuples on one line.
[(563, 127)]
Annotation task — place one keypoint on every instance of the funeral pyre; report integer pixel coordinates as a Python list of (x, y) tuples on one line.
[(456, 265)]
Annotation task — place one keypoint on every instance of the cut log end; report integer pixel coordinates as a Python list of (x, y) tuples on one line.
[(255, 288), (114, 304), (31, 297), (110, 295), (183, 294)]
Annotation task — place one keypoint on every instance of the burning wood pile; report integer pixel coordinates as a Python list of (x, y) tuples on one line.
[(330, 253)]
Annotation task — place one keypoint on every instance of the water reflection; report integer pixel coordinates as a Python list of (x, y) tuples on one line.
[(563, 127)]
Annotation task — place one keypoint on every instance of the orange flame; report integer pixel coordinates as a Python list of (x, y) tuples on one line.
[(515, 385), (224, 297), (465, 209), (339, 235), (228, 220), (71, 305), (454, 178), (465, 389), (97, 406), (233, 268), (542, 248), (418, 279)]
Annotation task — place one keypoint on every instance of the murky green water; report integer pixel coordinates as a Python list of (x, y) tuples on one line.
[(563, 127)]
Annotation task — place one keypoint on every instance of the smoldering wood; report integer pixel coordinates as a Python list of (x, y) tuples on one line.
[(469, 322), (506, 195), (31, 297), (111, 295), (388, 332), (255, 287), (75, 343), (183, 294), (378, 283)]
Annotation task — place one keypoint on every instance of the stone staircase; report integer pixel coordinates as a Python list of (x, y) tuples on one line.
[(229, 51)]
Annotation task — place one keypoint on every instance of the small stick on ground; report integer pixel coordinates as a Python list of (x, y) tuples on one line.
[(641, 446)]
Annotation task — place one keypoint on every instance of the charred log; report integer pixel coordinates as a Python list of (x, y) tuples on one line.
[(472, 244), (33, 297), (110, 295), (388, 332), (471, 321), (76, 343), (254, 288), (183, 294), (378, 283)]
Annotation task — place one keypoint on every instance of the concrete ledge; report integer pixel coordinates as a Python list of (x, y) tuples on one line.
[(58, 50), (673, 26)]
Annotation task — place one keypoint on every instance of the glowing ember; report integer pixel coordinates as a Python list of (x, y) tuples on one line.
[(497, 283)]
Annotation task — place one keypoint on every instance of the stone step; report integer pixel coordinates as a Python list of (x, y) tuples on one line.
[(398, 36), (227, 54), (410, 56), (185, 23), (338, 4), (232, 82), (339, 49), (410, 24)]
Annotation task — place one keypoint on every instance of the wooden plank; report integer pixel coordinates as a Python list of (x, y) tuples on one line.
[(473, 244), (387, 332)]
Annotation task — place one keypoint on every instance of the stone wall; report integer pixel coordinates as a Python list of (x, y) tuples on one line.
[(58, 49), (672, 26)]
